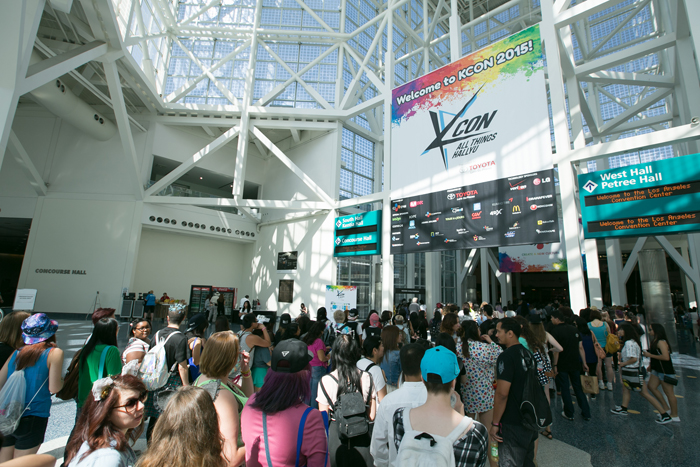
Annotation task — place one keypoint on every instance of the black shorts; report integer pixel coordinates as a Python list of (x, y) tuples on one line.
[(29, 433), (150, 309)]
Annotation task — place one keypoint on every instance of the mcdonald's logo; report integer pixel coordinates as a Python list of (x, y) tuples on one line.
[(516, 208)]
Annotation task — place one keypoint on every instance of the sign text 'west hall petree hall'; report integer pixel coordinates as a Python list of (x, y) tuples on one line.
[(653, 198), (481, 118)]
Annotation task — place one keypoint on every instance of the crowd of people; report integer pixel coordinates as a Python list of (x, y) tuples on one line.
[(393, 390)]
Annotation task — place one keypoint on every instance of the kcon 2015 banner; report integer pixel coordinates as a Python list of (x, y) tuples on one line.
[(480, 118)]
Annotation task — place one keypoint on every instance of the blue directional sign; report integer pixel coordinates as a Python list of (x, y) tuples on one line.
[(653, 198), (358, 234)]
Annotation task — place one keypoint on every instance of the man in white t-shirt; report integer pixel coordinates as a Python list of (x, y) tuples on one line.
[(412, 393), (374, 352)]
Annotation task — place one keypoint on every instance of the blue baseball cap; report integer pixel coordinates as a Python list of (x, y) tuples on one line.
[(439, 361)]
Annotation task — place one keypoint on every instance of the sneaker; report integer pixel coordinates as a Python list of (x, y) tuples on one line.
[(664, 419), (586, 419), (610, 387), (601, 385), (676, 419), (563, 414), (619, 410)]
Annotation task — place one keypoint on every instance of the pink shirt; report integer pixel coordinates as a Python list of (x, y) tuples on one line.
[(314, 348), (282, 430)]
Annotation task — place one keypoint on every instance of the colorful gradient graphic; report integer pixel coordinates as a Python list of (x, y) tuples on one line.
[(519, 264), (526, 64)]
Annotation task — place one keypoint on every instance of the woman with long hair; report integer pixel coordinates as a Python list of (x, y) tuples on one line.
[(11, 334), (187, 433), (420, 324), (217, 361), (319, 363), (137, 347), (102, 341), (346, 378), (450, 324), (112, 419), (479, 354), (391, 363), (304, 323), (601, 329), (542, 342), (42, 363), (279, 408), (662, 372), (630, 366)]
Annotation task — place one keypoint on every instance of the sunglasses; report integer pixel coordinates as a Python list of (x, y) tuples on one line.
[(132, 403)]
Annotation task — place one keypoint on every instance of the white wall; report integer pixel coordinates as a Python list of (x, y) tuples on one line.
[(88, 235), (311, 237), (172, 262)]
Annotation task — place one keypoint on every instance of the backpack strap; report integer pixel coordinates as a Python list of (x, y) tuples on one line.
[(267, 445), (300, 436), (459, 429), (370, 366), (330, 402), (103, 357), (326, 422)]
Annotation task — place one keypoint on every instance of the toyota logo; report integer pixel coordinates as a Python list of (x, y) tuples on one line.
[(451, 196)]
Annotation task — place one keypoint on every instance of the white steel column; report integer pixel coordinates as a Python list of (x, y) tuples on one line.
[(244, 136), (692, 8), (618, 285), (387, 258), (577, 287), (455, 32), (433, 292), (18, 25), (484, 254)]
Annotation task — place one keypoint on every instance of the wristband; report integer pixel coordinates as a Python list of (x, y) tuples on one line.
[(246, 374), (495, 424)]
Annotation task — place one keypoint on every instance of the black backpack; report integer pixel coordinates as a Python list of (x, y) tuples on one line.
[(534, 408), (350, 412), (373, 332)]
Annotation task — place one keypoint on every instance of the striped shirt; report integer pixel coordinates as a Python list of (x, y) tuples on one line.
[(135, 345)]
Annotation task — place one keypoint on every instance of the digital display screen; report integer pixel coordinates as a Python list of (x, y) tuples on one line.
[(517, 210), (643, 194)]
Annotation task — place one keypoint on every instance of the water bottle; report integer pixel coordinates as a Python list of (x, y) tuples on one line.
[(494, 450)]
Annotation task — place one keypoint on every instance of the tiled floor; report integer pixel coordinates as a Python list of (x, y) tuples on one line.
[(610, 440)]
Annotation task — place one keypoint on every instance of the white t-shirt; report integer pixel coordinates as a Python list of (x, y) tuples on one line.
[(382, 448), (375, 371), (631, 350), (332, 388)]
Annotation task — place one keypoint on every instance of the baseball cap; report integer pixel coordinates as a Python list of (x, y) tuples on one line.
[(510, 314), (290, 356), (441, 362), (353, 313), (374, 320), (534, 319), (196, 321)]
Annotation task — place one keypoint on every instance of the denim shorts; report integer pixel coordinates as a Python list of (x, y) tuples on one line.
[(661, 375)]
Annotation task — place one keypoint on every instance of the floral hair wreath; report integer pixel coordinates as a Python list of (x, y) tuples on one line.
[(177, 308), (101, 388)]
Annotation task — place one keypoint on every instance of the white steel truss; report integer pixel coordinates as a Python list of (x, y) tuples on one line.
[(622, 77)]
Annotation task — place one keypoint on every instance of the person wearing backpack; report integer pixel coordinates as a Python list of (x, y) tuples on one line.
[(39, 367), (438, 433), (276, 419), (173, 343), (392, 338), (348, 394), (373, 351), (196, 329), (373, 328), (99, 358), (516, 442)]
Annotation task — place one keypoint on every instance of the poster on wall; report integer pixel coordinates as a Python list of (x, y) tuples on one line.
[(543, 257), (653, 198), (480, 118), (286, 293), (24, 300), (509, 211), (340, 297), (287, 262)]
